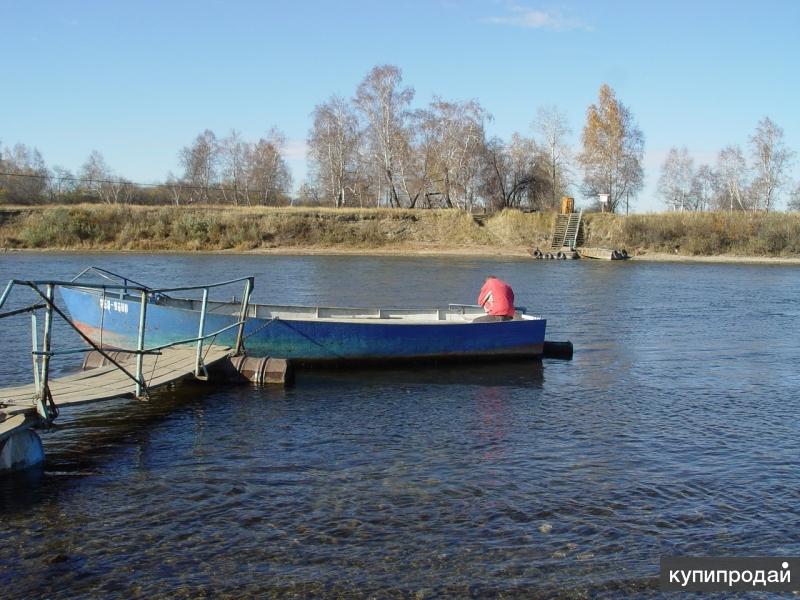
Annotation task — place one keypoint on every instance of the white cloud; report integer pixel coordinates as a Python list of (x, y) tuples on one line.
[(532, 18)]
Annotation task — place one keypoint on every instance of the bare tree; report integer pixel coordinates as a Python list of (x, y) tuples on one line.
[(771, 162), (415, 161), (509, 178), (732, 179), (232, 156), (333, 148), (176, 188), (25, 178), (267, 171), (453, 135), (704, 184), (365, 189), (384, 104), (308, 194), (200, 161), (98, 179), (613, 147), (794, 200), (60, 183), (553, 129), (677, 176)]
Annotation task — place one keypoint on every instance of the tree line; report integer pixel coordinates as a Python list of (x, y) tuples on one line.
[(229, 170), (377, 148), (735, 182)]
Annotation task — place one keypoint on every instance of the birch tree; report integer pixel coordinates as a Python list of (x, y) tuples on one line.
[(99, 179), (268, 173), (794, 199), (175, 187), (60, 183), (454, 134), (732, 179), (26, 181), (232, 156), (553, 129), (384, 104), (333, 148), (200, 162), (771, 163), (613, 148), (675, 182), (704, 184)]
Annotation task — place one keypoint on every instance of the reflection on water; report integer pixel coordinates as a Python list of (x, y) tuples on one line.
[(673, 431), (511, 373)]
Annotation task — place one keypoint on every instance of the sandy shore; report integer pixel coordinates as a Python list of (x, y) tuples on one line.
[(417, 250), (491, 252), (722, 258)]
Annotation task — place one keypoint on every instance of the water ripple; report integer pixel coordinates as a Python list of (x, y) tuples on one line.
[(673, 431)]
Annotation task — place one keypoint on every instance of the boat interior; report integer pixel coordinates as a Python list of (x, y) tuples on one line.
[(454, 313), (457, 313)]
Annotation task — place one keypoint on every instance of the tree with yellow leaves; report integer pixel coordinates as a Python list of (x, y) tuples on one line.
[(613, 147)]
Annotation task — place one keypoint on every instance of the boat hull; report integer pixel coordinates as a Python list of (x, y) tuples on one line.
[(113, 321)]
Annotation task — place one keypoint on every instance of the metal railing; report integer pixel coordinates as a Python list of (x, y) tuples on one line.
[(132, 289)]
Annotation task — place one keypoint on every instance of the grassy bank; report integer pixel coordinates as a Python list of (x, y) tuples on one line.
[(94, 227), (698, 234)]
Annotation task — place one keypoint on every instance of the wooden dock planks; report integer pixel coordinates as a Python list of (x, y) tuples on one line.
[(104, 383), (602, 253)]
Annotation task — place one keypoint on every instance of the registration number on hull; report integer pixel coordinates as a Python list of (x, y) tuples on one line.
[(114, 305)]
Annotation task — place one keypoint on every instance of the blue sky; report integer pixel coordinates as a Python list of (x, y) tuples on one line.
[(139, 80)]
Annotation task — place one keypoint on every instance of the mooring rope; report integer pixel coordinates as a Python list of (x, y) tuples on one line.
[(48, 405), (262, 328), (152, 372)]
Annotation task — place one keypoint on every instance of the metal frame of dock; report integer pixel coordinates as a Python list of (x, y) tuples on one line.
[(37, 404)]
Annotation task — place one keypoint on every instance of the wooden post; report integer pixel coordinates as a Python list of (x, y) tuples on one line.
[(140, 345)]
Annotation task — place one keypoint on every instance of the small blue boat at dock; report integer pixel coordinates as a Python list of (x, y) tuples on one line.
[(306, 335)]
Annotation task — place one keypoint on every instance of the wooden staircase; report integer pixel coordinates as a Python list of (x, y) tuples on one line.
[(566, 231)]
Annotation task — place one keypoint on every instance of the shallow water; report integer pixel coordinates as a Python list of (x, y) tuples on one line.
[(673, 431)]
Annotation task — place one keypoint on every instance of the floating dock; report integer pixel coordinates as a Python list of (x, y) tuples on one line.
[(602, 253), (105, 383), (26, 407), (568, 237)]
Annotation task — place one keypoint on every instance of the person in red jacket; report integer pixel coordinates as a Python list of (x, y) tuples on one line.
[(497, 299)]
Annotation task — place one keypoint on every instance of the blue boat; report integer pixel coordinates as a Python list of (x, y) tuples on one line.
[(305, 335)]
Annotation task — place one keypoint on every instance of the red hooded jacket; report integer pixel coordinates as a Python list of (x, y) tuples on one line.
[(497, 298)]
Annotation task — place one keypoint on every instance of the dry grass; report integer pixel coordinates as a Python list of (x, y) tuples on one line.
[(226, 228), (699, 234), (514, 228)]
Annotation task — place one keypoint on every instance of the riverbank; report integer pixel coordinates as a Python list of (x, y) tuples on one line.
[(487, 252), (722, 258), (717, 237)]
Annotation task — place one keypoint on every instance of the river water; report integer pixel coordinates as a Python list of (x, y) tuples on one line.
[(673, 431)]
